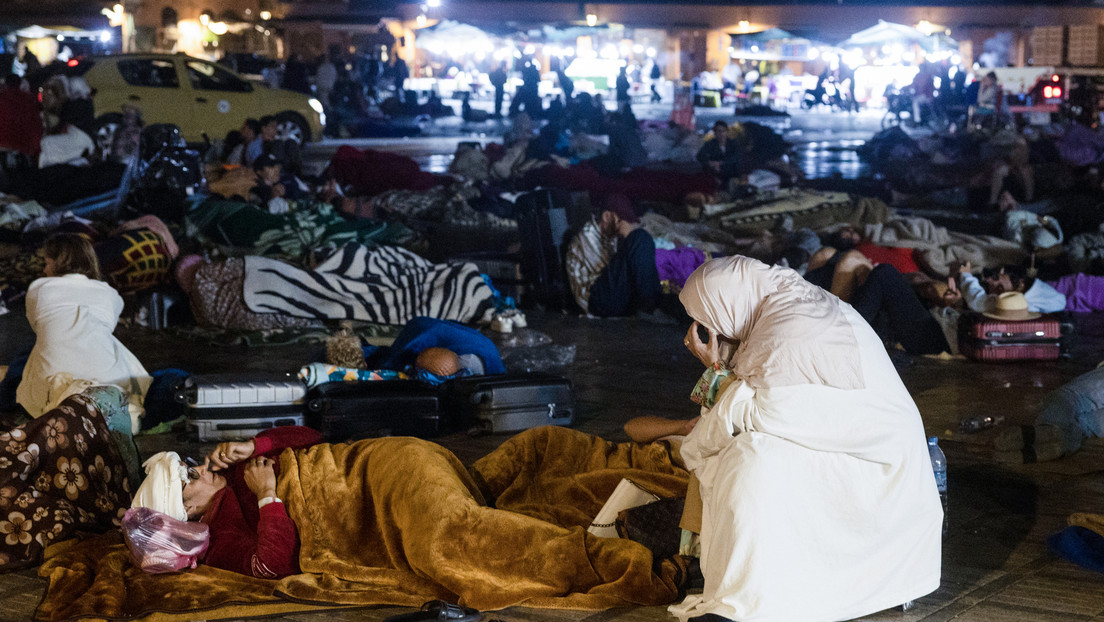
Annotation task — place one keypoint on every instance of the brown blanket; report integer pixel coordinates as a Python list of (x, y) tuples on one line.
[(401, 521)]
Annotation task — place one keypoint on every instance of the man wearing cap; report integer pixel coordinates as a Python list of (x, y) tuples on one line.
[(612, 284), (234, 493)]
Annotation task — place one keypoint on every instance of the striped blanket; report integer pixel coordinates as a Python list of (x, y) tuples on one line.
[(386, 285)]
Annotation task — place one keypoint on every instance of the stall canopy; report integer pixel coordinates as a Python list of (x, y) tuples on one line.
[(888, 33), (42, 32), (453, 37), (770, 44)]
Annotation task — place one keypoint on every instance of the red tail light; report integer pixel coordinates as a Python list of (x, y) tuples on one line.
[(1054, 78), (73, 62), (1048, 92), (1057, 91)]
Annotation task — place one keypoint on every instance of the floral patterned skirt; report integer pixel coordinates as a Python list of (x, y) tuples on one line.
[(59, 473)]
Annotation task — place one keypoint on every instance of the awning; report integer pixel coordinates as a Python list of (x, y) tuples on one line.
[(42, 32), (884, 33), (454, 37), (770, 34)]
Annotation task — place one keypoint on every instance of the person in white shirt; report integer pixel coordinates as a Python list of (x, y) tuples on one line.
[(73, 314)]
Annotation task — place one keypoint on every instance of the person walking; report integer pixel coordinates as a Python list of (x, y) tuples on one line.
[(498, 81)]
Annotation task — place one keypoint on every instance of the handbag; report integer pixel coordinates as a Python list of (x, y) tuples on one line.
[(655, 525)]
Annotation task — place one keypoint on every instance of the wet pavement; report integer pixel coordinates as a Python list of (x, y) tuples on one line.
[(824, 141), (995, 565)]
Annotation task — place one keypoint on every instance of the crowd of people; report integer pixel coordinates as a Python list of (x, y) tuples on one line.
[(799, 386)]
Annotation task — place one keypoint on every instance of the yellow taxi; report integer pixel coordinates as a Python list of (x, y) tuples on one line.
[(199, 96)]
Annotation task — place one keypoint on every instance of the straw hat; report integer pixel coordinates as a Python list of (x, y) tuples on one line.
[(1012, 306)]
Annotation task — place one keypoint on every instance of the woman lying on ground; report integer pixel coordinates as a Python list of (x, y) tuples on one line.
[(808, 444), (73, 314), (400, 520)]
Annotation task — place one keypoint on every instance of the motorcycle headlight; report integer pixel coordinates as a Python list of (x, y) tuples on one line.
[(315, 104)]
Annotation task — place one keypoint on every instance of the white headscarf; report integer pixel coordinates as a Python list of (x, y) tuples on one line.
[(163, 488), (790, 331)]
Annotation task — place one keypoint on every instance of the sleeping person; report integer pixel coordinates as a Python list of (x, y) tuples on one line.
[(401, 520)]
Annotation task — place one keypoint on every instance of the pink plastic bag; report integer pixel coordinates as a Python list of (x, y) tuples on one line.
[(160, 543)]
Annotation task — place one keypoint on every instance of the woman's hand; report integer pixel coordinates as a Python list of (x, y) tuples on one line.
[(688, 425), (707, 353), (260, 476), (228, 454)]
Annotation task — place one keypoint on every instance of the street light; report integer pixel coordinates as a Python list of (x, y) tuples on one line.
[(433, 4), (591, 20)]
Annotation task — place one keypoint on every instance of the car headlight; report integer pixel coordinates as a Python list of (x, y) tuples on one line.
[(315, 104)]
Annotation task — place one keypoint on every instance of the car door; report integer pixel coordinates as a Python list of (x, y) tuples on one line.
[(221, 100), (151, 85)]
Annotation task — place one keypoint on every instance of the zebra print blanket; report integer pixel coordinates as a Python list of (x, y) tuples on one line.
[(386, 285)]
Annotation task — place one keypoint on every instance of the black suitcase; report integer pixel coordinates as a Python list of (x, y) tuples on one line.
[(546, 221), (344, 411), (239, 406), (511, 402)]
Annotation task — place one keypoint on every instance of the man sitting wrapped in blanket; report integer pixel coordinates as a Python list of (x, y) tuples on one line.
[(388, 521)]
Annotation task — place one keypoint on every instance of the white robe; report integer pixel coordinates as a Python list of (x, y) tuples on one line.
[(823, 506), (74, 319)]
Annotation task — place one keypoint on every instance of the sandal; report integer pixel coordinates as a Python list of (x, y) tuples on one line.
[(438, 611)]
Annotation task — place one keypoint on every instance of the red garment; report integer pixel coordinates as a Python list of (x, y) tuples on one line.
[(260, 542), (900, 258), (20, 122), (371, 172)]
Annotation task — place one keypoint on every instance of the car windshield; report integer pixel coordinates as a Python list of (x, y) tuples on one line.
[(210, 77)]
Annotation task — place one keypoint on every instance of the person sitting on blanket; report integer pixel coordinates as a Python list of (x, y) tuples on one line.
[(73, 314), (612, 284), (274, 188), (234, 493)]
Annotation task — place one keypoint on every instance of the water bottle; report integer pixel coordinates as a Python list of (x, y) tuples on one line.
[(978, 423), (939, 466)]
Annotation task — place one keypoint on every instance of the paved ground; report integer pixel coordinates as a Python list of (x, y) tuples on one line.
[(824, 141), (995, 566), (995, 563)]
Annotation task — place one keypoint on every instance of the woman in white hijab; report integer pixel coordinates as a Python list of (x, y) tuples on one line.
[(819, 501)]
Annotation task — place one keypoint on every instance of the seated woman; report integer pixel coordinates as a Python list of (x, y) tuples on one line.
[(73, 314), (814, 451)]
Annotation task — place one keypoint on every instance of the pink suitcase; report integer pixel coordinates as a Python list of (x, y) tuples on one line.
[(985, 339)]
